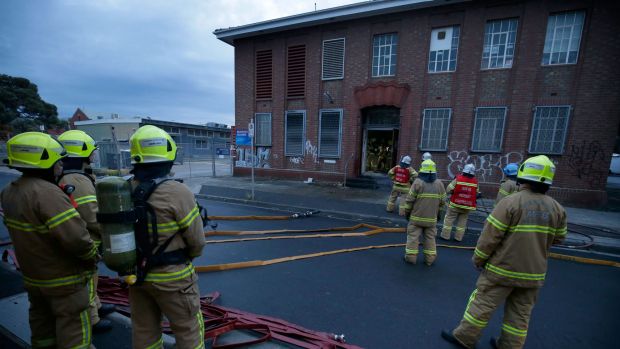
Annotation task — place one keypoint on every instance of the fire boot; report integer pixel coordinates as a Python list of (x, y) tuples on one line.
[(449, 337)]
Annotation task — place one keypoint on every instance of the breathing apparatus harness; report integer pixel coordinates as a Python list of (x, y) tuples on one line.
[(64, 173)]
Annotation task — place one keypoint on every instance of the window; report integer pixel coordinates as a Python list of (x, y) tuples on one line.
[(296, 71), (499, 43), (488, 129), (444, 49), (333, 59), (435, 129), (384, 54), (190, 132), (330, 126), (264, 70), (563, 37), (262, 129), (200, 143), (549, 130), (294, 130)]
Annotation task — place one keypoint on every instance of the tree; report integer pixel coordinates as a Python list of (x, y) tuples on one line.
[(22, 108)]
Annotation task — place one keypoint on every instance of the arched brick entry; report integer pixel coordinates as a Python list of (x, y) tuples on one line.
[(381, 93)]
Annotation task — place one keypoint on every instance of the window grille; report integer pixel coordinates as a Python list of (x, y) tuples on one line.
[(333, 59), (262, 129), (488, 129), (264, 74), (563, 38), (549, 130), (444, 49), (296, 71), (499, 43), (435, 127), (330, 131), (384, 54), (295, 126)]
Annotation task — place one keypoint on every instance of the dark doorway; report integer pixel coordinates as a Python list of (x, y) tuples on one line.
[(380, 142)]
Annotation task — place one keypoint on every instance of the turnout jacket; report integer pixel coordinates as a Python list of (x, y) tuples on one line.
[(86, 198), (51, 241), (177, 214), (459, 208), (423, 201), (412, 175), (514, 244), (507, 187)]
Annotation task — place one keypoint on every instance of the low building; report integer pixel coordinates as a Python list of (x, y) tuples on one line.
[(350, 90)]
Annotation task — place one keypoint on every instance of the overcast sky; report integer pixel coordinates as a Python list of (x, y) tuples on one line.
[(154, 58)]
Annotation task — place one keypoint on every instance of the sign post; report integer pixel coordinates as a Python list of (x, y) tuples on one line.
[(251, 134)]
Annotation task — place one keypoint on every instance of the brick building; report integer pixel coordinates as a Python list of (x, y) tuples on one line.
[(349, 90)]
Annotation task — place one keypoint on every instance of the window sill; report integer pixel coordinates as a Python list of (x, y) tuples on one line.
[(557, 65), (495, 69), (441, 72), (485, 151), (383, 76), (332, 79)]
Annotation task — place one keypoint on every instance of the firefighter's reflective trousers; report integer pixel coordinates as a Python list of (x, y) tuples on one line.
[(95, 303), (59, 316), (397, 190), (455, 215), (177, 296), (488, 296), (429, 248)]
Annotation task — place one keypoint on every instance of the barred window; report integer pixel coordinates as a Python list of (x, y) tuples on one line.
[(330, 131), (200, 143), (499, 43), (488, 129), (435, 127), (294, 131), (384, 54), (444, 49), (333, 59), (262, 129), (549, 129), (563, 38)]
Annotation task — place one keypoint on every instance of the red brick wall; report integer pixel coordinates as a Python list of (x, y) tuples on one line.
[(591, 87)]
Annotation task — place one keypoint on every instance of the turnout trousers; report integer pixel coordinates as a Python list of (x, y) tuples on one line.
[(59, 317), (95, 303), (454, 215), (518, 305), (429, 248), (397, 190), (179, 301)]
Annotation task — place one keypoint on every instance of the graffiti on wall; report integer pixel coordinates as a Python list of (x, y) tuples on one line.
[(311, 151), (488, 166), (260, 160), (588, 160)]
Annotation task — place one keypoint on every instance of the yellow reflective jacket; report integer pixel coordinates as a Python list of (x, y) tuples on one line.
[(86, 198), (49, 237), (423, 201), (514, 244)]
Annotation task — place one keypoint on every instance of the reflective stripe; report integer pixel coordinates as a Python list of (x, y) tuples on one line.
[(470, 318), (173, 276), (480, 254), (513, 274), (459, 229), (430, 196), (514, 331), (61, 218), (532, 229), (90, 254), (85, 199), (503, 192), (85, 319), (170, 227), (158, 344), (24, 226), (63, 281), (411, 251), (453, 205), (424, 219), (189, 219), (165, 227), (497, 223), (561, 231), (467, 184), (91, 288), (430, 252), (46, 342), (201, 326)]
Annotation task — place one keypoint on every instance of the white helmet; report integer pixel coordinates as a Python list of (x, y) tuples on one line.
[(470, 169), (406, 159), (427, 156)]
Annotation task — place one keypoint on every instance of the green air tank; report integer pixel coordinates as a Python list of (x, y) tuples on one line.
[(117, 234)]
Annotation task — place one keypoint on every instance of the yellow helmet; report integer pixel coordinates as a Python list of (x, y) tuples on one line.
[(151, 144), (34, 150), (538, 169), (428, 166), (77, 143)]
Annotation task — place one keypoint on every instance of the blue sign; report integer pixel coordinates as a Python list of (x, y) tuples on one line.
[(243, 138)]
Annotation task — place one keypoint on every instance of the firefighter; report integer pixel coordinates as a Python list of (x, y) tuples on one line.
[(464, 190), (427, 156), (77, 172), (402, 175), (509, 183), (512, 253), (422, 206), (55, 252), (167, 282)]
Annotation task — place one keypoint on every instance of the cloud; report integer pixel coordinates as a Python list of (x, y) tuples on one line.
[(147, 57)]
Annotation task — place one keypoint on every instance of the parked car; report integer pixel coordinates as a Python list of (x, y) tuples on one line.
[(614, 168)]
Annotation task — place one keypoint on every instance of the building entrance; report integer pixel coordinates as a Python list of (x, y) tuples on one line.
[(380, 143)]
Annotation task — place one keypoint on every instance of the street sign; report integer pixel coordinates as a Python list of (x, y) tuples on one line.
[(242, 138)]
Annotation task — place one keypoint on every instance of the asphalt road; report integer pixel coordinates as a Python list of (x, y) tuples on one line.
[(378, 301)]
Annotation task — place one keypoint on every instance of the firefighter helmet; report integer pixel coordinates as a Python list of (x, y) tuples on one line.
[(427, 156), (539, 169), (470, 169), (406, 159), (77, 143), (428, 166), (151, 144), (35, 150), (511, 169)]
